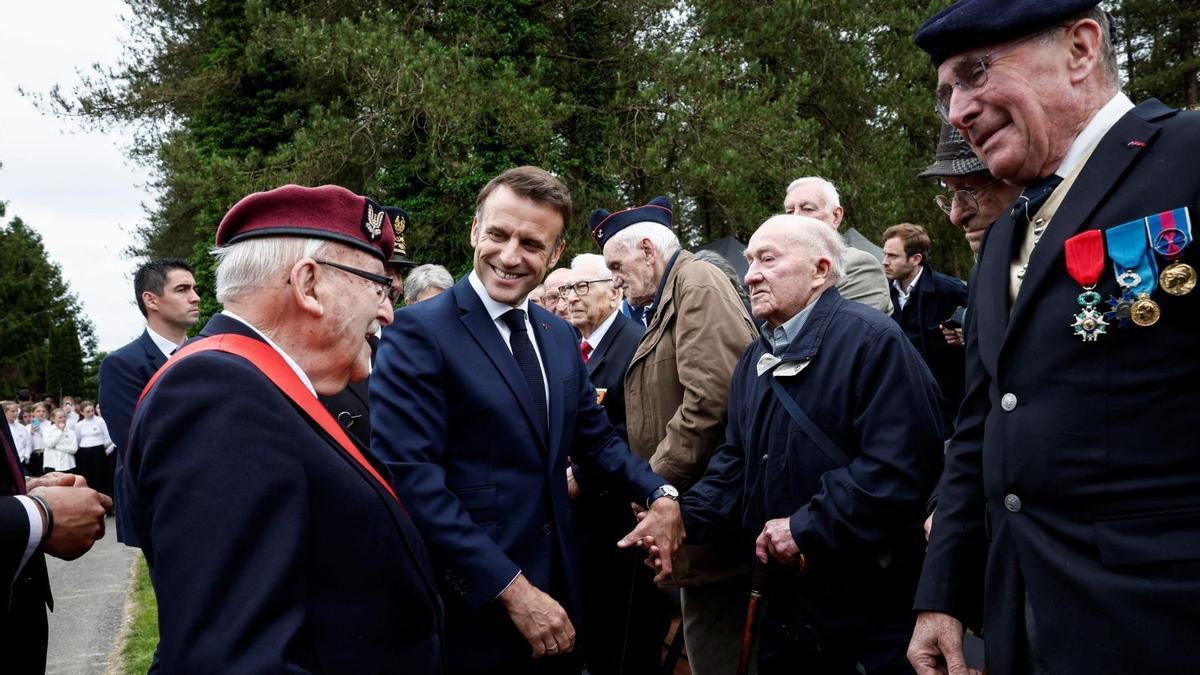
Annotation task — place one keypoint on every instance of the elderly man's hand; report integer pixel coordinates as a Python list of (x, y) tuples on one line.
[(78, 519), (572, 485), (660, 532), (953, 336), (776, 541), (936, 646), (538, 617)]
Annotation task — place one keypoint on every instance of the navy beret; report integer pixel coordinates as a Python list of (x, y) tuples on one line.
[(971, 24), (400, 221), (604, 224)]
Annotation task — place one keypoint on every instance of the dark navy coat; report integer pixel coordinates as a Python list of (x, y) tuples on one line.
[(867, 388), (1075, 468), (123, 375), (934, 299), (270, 549), (25, 596), (486, 483)]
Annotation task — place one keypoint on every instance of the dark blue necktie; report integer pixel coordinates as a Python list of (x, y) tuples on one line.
[(1033, 197), (527, 360)]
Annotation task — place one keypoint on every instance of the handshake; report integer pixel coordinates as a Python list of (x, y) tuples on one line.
[(72, 513)]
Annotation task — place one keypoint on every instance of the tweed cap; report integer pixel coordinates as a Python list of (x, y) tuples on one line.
[(953, 156), (605, 224), (325, 212), (971, 24), (400, 222)]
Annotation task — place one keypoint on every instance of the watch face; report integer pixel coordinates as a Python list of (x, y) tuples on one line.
[(670, 491)]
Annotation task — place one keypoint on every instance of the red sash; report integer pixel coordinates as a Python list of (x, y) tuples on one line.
[(268, 361)]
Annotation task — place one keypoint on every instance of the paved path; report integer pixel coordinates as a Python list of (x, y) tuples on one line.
[(89, 605)]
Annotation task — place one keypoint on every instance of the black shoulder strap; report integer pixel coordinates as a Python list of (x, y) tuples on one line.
[(823, 441)]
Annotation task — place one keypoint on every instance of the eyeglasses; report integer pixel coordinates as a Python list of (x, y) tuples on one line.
[(385, 288), (581, 288), (972, 74), (969, 198), (549, 299)]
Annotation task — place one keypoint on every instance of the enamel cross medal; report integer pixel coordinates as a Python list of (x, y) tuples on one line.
[(1136, 269), (1085, 262)]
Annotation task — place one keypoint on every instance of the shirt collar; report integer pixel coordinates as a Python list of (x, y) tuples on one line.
[(598, 334), (164, 345), (1102, 121), (495, 309), (662, 283), (289, 360), (780, 337), (911, 286)]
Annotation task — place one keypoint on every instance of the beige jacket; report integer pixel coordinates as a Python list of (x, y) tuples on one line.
[(677, 387)]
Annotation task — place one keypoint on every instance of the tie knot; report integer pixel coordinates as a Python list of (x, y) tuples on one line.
[(515, 320)]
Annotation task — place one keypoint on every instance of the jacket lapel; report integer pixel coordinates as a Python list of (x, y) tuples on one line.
[(153, 354), (600, 351), (482, 328), (1104, 169)]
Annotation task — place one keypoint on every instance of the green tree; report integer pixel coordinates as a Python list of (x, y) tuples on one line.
[(1160, 45), (38, 311)]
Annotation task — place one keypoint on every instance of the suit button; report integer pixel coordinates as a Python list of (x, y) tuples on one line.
[(1008, 402), (1012, 503), (546, 529)]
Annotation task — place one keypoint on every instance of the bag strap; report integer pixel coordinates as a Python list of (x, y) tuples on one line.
[(823, 441), (269, 362)]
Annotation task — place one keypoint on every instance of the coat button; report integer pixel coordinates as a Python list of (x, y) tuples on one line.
[(546, 529), (1012, 503), (1008, 402)]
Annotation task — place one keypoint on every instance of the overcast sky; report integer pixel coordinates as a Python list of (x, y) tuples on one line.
[(77, 189)]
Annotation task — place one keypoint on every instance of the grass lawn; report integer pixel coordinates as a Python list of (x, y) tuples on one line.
[(143, 633)]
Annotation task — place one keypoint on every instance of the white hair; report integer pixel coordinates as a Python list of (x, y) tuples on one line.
[(663, 238), (819, 239), (591, 262), (424, 277), (832, 200), (260, 262)]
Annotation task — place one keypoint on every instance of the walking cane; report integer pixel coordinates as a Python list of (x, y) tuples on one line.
[(756, 593)]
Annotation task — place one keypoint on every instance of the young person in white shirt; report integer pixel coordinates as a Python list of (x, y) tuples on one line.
[(37, 426), (21, 441), (61, 444), (94, 448)]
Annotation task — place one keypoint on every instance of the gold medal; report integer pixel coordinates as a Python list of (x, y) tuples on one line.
[(1178, 278), (1145, 312)]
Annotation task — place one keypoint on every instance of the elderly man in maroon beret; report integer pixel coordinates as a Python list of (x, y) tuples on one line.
[(275, 542)]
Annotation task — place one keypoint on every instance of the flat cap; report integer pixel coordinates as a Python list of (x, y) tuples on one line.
[(325, 212), (953, 156), (971, 24), (605, 224), (400, 222)]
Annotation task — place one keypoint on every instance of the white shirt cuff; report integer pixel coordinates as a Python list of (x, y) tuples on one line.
[(35, 530), (510, 583)]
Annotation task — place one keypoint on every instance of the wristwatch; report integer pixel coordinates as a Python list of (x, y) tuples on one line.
[(667, 491)]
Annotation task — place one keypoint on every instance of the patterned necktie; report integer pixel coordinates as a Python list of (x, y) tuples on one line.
[(527, 359), (585, 350), (1033, 197)]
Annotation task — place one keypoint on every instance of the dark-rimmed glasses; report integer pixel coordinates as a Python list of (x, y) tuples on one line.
[(581, 288), (385, 289), (969, 198), (972, 74)]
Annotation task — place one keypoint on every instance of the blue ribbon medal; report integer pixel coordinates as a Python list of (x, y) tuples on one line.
[(1136, 270), (1169, 233)]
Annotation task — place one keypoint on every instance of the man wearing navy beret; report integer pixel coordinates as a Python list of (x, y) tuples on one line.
[(1069, 512)]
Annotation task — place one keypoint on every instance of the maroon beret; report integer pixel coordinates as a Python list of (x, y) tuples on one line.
[(326, 212)]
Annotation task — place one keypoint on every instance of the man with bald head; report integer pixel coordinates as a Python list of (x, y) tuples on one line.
[(833, 443), (1071, 487), (552, 299)]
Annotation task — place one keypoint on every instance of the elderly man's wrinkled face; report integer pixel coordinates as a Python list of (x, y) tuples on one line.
[(784, 274), (989, 199), (554, 300), (809, 200), (633, 271), (359, 308), (516, 241), (591, 298), (1012, 114)]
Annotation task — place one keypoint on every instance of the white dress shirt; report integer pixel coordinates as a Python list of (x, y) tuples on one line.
[(601, 330), (903, 293), (61, 445), (164, 345), (498, 309), (290, 361), (93, 433)]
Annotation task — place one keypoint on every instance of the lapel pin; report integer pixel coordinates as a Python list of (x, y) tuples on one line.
[(1135, 145)]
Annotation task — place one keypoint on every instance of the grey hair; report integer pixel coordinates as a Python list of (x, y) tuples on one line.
[(424, 277), (257, 263), (818, 238), (832, 200), (663, 238), (591, 262)]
